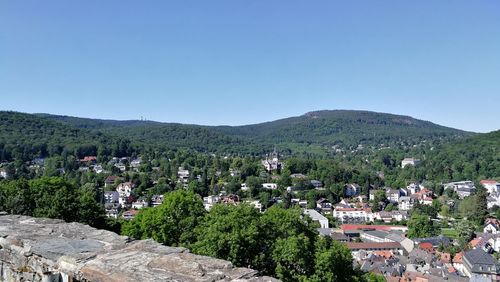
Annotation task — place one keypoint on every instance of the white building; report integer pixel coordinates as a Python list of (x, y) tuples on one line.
[(244, 187), (346, 214), (271, 186), (111, 197), (493, 200), (210, 201), (414, 188), (463, 188), (410, 161), (272, 163), (183, 176), (124, 189), (392, 195), (140, 204), (406, 203), (491, 185), (316, 216)]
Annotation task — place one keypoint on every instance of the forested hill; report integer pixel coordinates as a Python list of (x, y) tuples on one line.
[(344, 127), (320, 129), (460, 159), (43, 134)]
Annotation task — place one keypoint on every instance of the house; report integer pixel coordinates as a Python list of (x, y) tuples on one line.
[(352, 190), (370, 247), (124, 189), (110, 180), (424, 196), (89, 159), (353, 227), (324, 205), (492, 225), (3, 173), (135, 163), (98, 169), (140, 204), (111, 197), (492, 186), (121, 167), (244, 187), (480, 265), (301, 203), (409, 162), (316, 216), (272, 162), (156, 200), (458, 263), (130, 214), (231, 199), (183, 176), (256, 204), (413, 188), (434, 241), (339, 237), (316, 183), (463, 188), (350, 214), (389, 216), (112, 209), (493, 200), (210, 201), (406, 203), (465, 192), (271, 186), (392, 195)]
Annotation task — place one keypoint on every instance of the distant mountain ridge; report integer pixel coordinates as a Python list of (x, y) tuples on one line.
[(317, 130)]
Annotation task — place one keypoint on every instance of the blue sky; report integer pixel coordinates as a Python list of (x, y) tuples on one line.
[(240, 62)]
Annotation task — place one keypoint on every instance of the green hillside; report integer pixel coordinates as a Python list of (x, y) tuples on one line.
[(28, 135)]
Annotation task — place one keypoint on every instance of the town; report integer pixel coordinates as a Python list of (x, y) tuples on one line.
[(401, 233)]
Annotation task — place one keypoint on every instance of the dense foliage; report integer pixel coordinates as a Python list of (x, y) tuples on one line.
[(280, 242), (52, 197)]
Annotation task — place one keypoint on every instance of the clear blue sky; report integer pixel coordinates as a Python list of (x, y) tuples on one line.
[(239, 62)]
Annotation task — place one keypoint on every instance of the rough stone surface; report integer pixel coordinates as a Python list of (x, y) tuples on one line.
[(51, 250)]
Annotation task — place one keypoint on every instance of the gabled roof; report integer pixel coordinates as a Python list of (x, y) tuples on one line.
[(478, 256)]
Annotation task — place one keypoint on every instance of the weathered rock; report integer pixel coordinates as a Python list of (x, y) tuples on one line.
[(50, 250)]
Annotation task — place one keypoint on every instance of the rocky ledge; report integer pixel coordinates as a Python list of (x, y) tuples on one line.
[(50, 250)]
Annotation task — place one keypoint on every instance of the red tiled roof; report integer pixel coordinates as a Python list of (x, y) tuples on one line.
[(373, 245), (131, 212), (458, 257), (474, 242), (426, 246), (89, 158), (488, 181), (385, 254)]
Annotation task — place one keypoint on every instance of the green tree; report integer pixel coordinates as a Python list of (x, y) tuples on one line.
[(231, 233), (332, 262), (172, 223), (419, 226), (465, 232), (293, 257)]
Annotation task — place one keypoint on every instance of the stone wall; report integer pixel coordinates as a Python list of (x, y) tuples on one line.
[(50, 250)]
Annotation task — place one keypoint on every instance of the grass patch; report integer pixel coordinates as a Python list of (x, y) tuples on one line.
[(449, 232)]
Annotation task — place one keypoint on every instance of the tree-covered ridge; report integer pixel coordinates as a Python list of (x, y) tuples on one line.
[(321, 129), (25, 136)]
